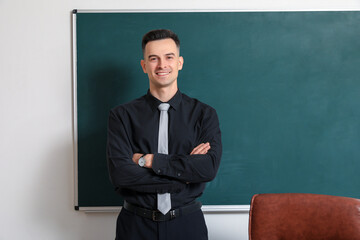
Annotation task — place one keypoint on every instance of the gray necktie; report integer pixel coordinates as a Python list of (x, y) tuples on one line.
[(164, 201)]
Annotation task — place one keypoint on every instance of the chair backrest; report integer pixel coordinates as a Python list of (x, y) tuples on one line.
[(297, 216)]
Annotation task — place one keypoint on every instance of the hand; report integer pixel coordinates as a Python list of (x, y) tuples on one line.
[(202, 148), (148, 159), (136, 157)]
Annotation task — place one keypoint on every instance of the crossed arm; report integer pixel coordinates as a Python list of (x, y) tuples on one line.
[(162, 173), (202, 148)]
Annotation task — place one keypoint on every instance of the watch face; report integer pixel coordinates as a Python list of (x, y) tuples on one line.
[(141, 162)]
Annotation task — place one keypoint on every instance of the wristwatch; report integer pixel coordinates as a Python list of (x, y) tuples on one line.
[(142, 161)]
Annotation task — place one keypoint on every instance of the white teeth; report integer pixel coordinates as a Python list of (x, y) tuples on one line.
[(161, 74)]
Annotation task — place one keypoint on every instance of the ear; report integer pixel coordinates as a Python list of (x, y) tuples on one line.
[(181, 63), (142, 63)]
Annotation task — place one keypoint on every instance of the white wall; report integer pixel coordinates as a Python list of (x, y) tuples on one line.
[(36, 153)]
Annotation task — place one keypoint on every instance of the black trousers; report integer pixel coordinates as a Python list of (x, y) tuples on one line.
[(189, 227)]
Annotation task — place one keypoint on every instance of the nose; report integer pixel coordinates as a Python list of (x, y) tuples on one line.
[(161, 63)]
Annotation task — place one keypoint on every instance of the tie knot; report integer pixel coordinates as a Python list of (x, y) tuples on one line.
[(164, 106)]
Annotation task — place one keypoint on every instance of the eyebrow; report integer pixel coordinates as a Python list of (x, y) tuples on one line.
[(154, 55)]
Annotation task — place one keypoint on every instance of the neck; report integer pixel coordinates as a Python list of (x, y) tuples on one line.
[(164, 94)]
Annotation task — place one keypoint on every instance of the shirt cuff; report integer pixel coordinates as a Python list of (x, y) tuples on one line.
[(160, 163)]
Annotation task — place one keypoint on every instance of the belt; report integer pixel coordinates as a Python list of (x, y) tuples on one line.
[(157, 216)]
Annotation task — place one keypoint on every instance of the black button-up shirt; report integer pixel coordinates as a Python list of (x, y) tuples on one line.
[(133, 128)]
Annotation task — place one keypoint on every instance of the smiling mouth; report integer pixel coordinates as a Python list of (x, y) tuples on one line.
[(162, 73)]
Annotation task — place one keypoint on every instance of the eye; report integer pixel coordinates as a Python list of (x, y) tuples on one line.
[(152, 59)]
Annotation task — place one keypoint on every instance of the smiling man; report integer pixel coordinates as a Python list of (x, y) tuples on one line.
[(162, 64), (162, 149)]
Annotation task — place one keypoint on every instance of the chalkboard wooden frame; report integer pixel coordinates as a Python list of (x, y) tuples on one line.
[(221, 208)]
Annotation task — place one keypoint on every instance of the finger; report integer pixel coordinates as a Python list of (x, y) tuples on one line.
[(202, 148), (205, 148), (197, 148)]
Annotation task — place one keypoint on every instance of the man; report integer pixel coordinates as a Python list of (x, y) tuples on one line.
[(160, 158)]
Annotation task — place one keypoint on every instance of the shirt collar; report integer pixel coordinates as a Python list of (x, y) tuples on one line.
[(174, 101)]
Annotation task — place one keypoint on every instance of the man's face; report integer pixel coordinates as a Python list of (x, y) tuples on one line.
[(162, 63)]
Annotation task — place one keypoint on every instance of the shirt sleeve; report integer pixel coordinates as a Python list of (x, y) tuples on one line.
[(124, 173), (199, 167)]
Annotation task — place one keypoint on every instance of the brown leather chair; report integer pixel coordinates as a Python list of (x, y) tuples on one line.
[(296, 216)]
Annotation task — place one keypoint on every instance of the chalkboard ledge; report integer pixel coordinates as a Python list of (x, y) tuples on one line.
[(206, 209)]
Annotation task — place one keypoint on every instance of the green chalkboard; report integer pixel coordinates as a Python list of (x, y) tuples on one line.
[(286, 87)]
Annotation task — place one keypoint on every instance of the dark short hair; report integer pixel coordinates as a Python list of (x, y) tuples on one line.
[(159, 34)]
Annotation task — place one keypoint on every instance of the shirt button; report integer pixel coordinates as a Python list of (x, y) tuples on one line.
[(179, 174), (159, 171)]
